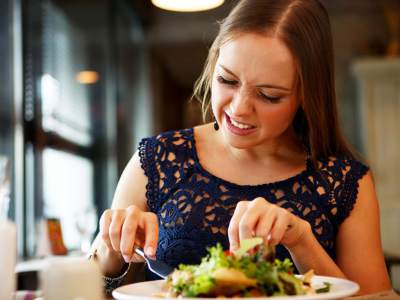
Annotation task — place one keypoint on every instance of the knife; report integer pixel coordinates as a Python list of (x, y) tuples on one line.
[(156, 266)]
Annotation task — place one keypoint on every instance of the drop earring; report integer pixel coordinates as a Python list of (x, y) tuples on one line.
[(216, 126)]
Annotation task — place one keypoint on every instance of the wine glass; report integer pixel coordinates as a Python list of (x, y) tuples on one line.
[(4, 187), (86, 225)]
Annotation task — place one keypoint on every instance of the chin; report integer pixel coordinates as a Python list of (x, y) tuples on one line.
[(240, 142)]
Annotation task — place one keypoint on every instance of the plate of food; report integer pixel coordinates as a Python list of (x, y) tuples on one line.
[(250, 272)]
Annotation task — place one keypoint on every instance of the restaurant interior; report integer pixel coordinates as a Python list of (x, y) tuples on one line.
[(82, 82)]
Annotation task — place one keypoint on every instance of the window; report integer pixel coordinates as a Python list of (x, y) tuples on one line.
[(71, 73), (70, 193), (68, 124), (6, 96)]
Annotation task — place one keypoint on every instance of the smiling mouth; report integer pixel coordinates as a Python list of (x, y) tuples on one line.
[(238, 129), (239, 125)]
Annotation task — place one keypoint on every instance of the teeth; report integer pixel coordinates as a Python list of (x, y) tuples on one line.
[(240, 125)]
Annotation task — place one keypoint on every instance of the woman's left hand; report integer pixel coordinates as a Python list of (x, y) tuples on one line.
[(269, 221)]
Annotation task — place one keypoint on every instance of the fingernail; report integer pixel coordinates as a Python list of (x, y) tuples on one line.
[(150, 251), (126, 258)]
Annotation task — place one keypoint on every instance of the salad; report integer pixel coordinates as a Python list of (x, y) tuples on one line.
[(251, 271)]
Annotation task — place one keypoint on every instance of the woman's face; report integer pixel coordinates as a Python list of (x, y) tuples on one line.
[(252, 92)]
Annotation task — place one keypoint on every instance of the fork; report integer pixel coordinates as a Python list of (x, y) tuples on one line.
[(156, 266)]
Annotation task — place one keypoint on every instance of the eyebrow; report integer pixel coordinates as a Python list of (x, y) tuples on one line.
[(260, 85)]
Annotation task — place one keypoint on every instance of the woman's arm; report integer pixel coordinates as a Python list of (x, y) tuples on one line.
[(309, 254), (131, 190), (359, 248)]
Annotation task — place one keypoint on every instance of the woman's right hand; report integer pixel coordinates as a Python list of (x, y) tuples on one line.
[(124, 229)]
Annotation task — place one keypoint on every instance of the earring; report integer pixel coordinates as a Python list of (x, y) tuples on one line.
[(216, 126)]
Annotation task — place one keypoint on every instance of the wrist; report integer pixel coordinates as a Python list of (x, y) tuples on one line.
[(304, 237), (307, 253), (111, 263)]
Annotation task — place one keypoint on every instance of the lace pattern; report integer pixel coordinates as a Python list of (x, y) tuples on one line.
[(194, 207)]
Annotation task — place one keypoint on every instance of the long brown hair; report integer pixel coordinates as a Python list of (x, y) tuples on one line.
[(304, 27)]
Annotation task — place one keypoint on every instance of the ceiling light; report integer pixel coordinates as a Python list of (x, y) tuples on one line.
[(87, 77), (187, 5)]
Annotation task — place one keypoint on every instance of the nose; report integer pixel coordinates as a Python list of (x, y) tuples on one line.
[(241, 104)]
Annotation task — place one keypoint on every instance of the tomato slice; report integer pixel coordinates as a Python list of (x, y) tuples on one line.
[(228, 253)]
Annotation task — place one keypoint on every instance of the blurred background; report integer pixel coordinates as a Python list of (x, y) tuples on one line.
[(81, 82)]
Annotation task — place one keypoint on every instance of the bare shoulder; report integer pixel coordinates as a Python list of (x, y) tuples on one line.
[(365, 212), (366, 194), (131, 188), (366, 206)]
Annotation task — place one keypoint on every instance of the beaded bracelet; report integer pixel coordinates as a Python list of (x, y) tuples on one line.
[(111, 283)]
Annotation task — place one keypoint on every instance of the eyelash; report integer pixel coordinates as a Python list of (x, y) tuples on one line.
[(273, 100), (264, 97), (222, 80)]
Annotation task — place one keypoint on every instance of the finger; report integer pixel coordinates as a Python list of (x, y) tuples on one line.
[(128, 234), (250, 218), (265, 223), (136, 258), (151, 233), (233, 229), (118, 217), (279, 228), (104, 225)]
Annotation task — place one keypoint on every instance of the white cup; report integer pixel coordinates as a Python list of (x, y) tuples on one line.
[(8, 254), (68, 278)]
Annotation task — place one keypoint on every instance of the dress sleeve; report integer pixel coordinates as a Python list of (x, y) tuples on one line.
[(346, 193), (148, 148), (165, 159)]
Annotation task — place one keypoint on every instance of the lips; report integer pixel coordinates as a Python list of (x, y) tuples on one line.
[(238, 128)]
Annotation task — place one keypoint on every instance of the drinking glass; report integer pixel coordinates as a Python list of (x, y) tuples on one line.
[(4, 187), (8, 236), (86, 224)]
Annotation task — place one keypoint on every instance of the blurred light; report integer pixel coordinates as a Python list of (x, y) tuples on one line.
[(87, 77), (187, 5)]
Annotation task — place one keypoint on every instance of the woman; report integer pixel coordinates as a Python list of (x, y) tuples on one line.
[(273, 164)]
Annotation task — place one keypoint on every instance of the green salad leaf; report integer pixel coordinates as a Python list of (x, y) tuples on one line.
[(326, 288), (246, 245), (259, 271), (284, 266)]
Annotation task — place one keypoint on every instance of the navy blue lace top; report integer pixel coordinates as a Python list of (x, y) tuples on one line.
[(194, 207)]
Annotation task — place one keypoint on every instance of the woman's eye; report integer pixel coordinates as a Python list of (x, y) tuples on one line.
[(222, 80), (272, 99)]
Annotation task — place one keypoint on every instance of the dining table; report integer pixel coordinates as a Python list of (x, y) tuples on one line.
[(28, 280)]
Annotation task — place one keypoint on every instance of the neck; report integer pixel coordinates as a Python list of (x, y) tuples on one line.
[(286, 146)]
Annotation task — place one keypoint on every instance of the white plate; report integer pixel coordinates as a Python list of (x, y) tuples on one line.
[(147, 290)]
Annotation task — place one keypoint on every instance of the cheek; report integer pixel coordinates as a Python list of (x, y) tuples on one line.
[(279, 118), (219, 98)]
